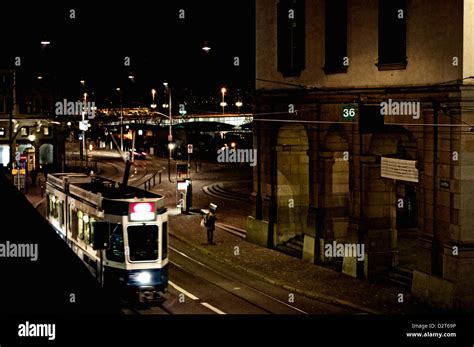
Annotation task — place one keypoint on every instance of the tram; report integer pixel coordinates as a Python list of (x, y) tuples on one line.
[(121, 235)]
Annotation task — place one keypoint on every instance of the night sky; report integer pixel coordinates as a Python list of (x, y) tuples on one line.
[(161, 46)]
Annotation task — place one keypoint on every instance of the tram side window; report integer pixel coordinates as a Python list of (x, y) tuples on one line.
[(165, 240), (53, 207), (74, 224), (80, 225), (61, 214), (88, 229), (116, 251)]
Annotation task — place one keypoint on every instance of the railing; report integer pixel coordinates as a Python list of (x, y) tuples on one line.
[(151, 178)]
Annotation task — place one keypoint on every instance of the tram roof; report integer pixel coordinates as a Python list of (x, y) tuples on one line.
[(107, 188)]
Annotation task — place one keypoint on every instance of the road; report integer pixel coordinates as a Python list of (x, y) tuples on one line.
[(200, 285)]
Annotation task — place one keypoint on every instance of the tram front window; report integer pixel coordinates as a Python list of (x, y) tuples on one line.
[(143, 242)]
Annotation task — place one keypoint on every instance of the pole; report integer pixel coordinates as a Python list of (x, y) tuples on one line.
[(13, 114), (170, 133), (436, 260), (121, 124), (83, 131)]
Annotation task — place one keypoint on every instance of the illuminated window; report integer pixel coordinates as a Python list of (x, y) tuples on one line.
[(80, 225)]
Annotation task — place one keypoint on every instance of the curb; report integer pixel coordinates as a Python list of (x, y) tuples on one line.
[(321, 297)]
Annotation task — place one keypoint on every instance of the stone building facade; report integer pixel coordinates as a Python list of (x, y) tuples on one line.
[(325, 69)]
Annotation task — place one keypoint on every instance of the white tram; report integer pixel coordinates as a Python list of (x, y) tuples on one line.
[(121, 235)]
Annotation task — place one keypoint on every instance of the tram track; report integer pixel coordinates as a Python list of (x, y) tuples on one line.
[(226, 277)]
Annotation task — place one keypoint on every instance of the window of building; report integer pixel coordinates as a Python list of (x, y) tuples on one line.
[(24, 131), (291, 37), (336, 59), (392, 34)]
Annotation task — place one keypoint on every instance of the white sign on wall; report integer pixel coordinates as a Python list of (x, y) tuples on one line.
[(399, 169)]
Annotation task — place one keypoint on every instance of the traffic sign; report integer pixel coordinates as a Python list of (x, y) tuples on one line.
[(190, 149), (84, 125)]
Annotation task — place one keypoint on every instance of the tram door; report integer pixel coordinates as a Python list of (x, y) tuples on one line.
[(406, 206)]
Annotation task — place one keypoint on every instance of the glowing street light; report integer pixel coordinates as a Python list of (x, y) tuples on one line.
[(206, 47), (153, 92), (239, 105), (223, 103)]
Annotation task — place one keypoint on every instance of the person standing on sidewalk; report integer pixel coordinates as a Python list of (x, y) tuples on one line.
[(209, 223)]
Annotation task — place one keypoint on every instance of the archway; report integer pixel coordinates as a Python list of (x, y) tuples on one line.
[(391, 204), (46, 155), (292, 182), (334, 188)]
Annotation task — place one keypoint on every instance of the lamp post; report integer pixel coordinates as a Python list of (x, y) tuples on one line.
[(83, 119), (223, 103), (121, 119), (239, 105), (170, 133)]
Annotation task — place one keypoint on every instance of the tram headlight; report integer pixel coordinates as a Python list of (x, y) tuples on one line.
[(143, 277)]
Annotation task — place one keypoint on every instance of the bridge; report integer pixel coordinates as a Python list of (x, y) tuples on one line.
[(143, 115)]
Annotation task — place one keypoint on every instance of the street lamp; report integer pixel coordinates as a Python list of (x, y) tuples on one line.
[(239, 105), (121, 120), (153, 105), (170, 133), (223, 103), (206, 47), (83, 119)]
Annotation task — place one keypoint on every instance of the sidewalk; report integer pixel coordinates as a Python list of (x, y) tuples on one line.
[(34, 195), (296, 276)]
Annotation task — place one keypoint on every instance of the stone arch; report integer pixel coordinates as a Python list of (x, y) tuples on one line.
[(292, 181), (334, 189), (383, 210), (46, 154)]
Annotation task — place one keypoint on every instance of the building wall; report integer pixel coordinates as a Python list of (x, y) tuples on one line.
[(434, 37), (437, 33)]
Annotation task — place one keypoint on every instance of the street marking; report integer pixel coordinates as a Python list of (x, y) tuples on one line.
[(212, 308), (185, 292), (251, 288)]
